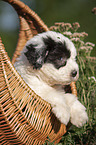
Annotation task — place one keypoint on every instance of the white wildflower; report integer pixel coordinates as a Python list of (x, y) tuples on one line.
[(92, 77), (68, 33), (89, 44)]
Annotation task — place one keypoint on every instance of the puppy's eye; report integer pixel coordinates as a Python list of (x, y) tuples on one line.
[(60, 58)]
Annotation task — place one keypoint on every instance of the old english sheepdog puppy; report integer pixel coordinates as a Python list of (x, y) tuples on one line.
[(47, 62)]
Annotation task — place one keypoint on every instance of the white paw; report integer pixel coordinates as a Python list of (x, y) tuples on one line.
[(78, 114), (62, 113)]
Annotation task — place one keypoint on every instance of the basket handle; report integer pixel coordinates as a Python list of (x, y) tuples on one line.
[(30, 25)]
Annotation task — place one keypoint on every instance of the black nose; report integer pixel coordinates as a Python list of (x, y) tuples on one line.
[(74, 73)]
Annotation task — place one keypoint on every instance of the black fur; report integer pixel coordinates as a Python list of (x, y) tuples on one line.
[(32, 56), (58, 52), (54, 52)]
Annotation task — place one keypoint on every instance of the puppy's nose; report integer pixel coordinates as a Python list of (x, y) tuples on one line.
[(74, 73)]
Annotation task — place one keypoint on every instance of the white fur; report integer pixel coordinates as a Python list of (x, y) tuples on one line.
[(47, 82)]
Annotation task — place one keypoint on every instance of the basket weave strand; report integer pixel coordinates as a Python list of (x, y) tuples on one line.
[(24, 117)]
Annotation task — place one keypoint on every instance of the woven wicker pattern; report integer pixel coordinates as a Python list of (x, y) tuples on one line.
[(24, 117)]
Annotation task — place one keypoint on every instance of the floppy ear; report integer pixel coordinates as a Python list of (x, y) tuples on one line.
[(36, 57)]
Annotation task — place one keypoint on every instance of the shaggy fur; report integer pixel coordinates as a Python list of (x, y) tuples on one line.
[(47, 62)]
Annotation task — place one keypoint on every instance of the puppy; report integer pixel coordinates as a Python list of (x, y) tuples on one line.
[(48, 62)]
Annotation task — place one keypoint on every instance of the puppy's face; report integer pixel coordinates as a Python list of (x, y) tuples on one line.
[(54, 55)]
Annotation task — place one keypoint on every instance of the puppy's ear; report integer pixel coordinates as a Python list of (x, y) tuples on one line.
[(36, 56)]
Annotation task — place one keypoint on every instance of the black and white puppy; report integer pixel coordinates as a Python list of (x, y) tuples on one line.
[(47, 62)]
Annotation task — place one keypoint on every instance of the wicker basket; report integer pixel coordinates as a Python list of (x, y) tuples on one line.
[(24, 117)]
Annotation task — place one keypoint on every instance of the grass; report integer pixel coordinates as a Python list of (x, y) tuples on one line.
[(86, 86)]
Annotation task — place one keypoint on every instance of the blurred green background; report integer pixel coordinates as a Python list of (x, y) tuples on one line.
[(50, 11)]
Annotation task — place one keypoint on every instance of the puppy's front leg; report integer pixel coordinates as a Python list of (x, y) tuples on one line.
[(59, 107), (77, 110)]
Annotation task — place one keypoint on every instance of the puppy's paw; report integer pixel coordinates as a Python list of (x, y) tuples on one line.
[(61, 113), (78, 114)]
